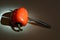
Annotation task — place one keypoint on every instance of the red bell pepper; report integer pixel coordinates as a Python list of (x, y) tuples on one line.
[(19, 17)]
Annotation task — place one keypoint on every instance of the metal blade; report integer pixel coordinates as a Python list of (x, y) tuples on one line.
[(40, 22)]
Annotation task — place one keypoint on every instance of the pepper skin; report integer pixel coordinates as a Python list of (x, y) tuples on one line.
[(20, 15)]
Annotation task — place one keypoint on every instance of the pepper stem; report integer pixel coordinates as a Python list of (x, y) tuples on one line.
[(19, 26)]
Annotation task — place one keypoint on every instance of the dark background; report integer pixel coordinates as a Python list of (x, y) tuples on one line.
[(47, 10)]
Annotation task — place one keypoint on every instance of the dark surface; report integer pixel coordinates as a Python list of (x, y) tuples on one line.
[(46, 10)]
